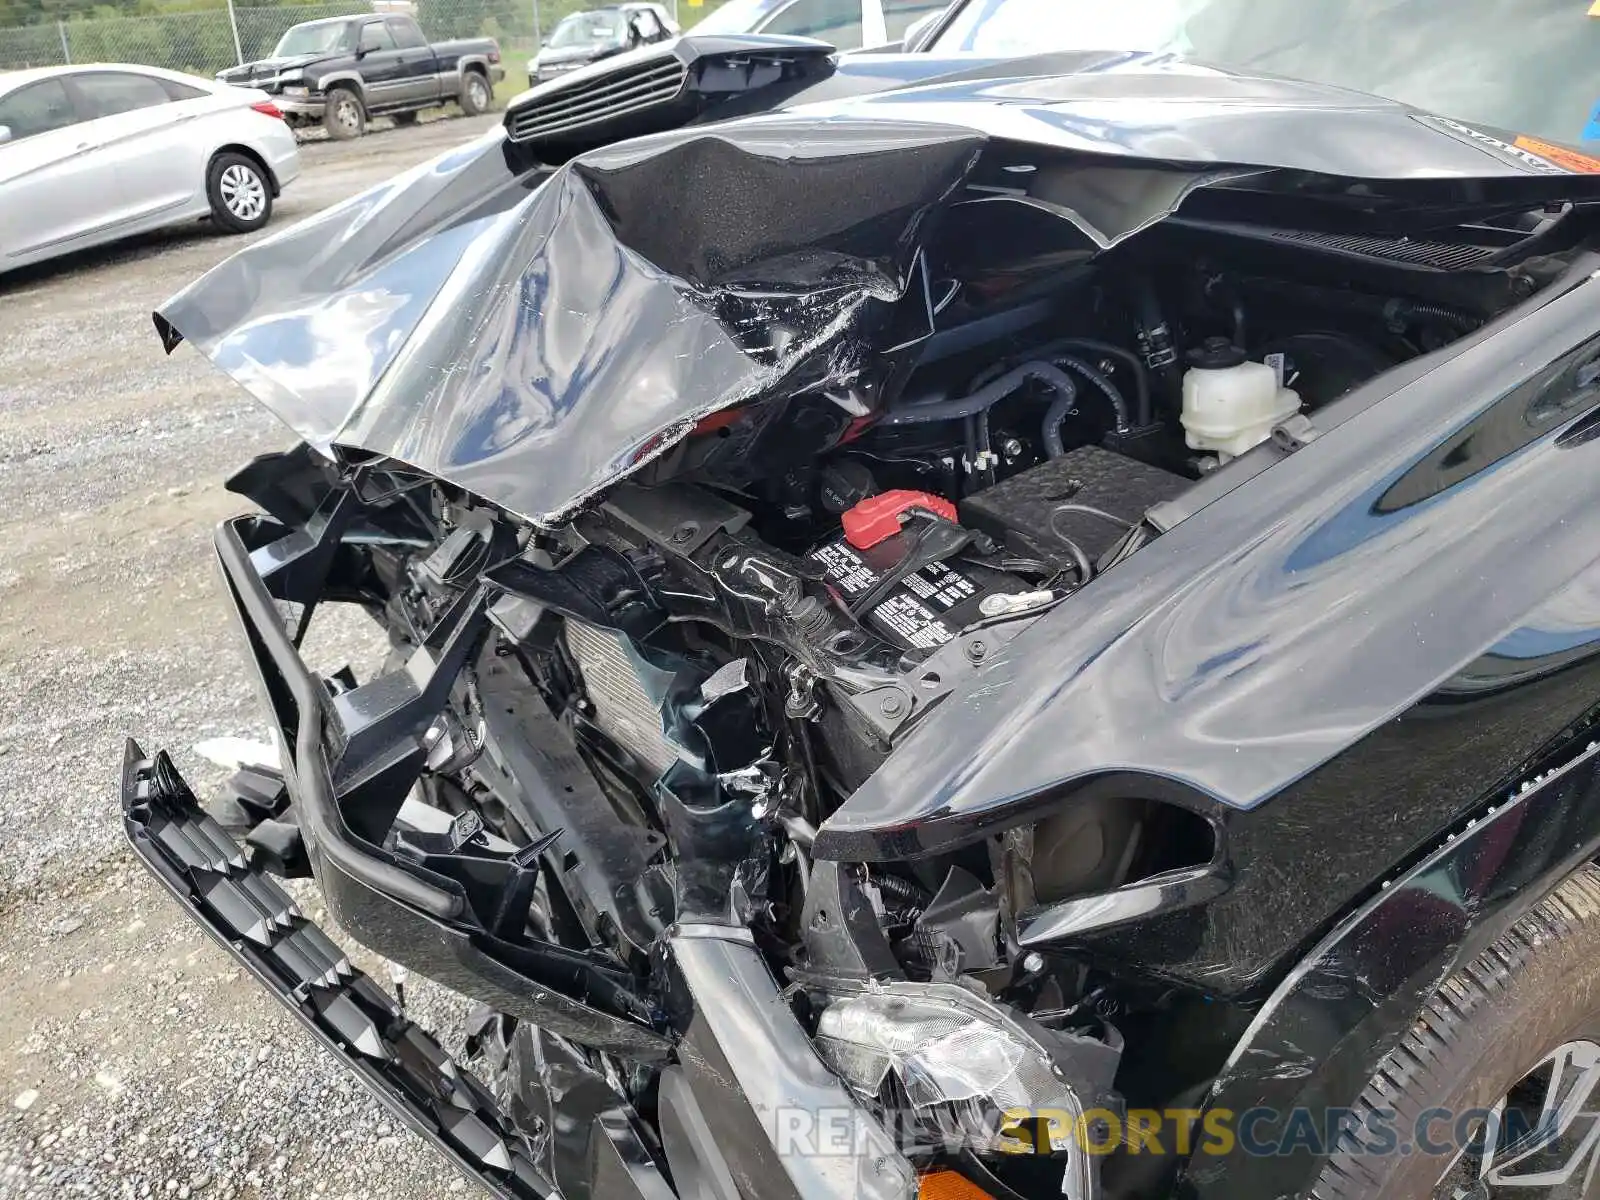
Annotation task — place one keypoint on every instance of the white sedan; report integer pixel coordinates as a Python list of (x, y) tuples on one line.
[(94, 153)]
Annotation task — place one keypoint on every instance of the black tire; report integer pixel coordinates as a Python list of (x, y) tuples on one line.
[(344, 116), (1481, 1032), (405, 118), (240, 193), (476, 94)]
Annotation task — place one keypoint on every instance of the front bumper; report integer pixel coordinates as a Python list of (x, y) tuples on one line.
[(254, 920), (309, 106), (744, 1065), (410, 915)]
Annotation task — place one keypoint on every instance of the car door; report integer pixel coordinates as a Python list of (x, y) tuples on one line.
[(52, 190), (419, 69), (378, 63), (144, 143)]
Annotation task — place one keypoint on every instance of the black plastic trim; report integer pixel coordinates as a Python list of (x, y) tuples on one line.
[(253, 919)]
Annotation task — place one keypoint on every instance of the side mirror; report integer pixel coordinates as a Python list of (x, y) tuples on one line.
[(5, 134), (361, 52), (919, 29)]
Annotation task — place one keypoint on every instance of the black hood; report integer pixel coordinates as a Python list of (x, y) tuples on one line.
[(534, 335)]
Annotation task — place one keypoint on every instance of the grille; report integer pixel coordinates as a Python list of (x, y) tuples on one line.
[(1441, 256), (589, 101), (622, 710)]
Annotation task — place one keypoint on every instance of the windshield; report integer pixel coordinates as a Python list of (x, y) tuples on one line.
[(589, 29), (736, 16), (315, 39), (1524, 66)]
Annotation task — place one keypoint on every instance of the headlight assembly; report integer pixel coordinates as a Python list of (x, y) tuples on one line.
[(966, 1069)]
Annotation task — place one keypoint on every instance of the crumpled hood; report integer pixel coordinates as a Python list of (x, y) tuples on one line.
[(533, 335), (551, 56), (266, 68)]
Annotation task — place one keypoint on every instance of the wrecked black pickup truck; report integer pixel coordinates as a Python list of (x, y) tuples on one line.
[(1033, 632), (338, 71)]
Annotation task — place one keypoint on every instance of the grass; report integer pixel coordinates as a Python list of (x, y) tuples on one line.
[(515, 82)]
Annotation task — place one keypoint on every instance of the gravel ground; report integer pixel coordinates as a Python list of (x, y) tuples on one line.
[(134, 1059)]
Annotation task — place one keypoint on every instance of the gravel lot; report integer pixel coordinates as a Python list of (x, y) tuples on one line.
[(134, 1059)]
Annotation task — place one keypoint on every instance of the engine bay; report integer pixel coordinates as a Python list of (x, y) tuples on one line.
[(710, 657)]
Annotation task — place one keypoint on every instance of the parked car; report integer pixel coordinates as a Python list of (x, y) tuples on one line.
[(845, 24), (585, 37), (340, 71), (1002, 627), (686, 81), (90, 154)]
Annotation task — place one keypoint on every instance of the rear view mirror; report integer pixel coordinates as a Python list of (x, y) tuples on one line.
[(5, 134)]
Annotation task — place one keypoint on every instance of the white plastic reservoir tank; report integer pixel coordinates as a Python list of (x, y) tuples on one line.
[(1229, 403)]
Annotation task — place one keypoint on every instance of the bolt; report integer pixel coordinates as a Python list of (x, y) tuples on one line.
[(1033, 962), (893, 705), (977, 650), (684, 533), (1011, 448)]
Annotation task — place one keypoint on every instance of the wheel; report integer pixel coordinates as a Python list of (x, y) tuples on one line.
[(475, 94), (1492, 1094), (344, 117), (239, 192), (405, 118)]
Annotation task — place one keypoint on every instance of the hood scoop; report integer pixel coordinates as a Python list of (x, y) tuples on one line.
[(658, 88)]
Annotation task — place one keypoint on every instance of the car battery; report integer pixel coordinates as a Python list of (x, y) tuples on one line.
[(924, 607)]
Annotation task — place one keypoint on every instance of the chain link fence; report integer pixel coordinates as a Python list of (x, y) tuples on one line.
[(204, 42)]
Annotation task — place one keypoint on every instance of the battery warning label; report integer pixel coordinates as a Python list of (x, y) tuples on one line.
[(911, 620)]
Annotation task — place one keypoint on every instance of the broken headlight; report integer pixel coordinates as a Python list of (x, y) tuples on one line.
[(969, 1071)]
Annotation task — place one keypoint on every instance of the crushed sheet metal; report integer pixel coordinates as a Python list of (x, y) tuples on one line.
[(534, 335)]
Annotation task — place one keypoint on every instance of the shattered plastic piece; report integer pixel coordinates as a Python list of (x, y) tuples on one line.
[(724, 681), (403, 1066)]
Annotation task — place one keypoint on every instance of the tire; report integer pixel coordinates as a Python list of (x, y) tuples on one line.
[(476, 95), (240, 193), (1533, 994), (344, 117), (405, 118)]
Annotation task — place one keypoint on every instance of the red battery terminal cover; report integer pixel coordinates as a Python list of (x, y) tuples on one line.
[(878, 518)]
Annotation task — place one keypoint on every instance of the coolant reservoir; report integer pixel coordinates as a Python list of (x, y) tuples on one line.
[(1229, 403)]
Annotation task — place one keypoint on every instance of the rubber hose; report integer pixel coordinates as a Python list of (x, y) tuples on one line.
[(1058, 411), (983, 399), (1144, 410)]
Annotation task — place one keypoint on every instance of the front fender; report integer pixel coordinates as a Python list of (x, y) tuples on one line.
[(1320, 1036), (323, 84)]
